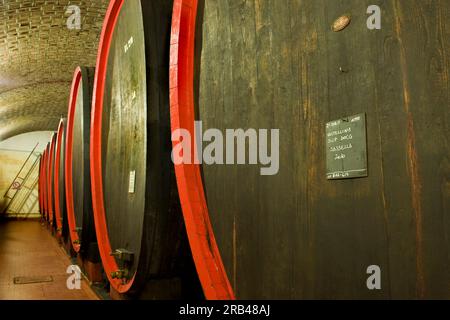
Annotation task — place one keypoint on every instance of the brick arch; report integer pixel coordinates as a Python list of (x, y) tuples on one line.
[(38, 55)]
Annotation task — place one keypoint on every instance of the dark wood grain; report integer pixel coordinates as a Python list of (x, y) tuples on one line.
[(276, 64)]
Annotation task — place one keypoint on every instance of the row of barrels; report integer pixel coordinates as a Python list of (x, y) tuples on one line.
[(109, 185), (68, 212)]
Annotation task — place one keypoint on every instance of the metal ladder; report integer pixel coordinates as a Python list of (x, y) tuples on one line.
[(22, 195)]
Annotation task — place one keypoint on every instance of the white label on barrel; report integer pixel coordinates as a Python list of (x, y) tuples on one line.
[(128, 45), (132, 181)]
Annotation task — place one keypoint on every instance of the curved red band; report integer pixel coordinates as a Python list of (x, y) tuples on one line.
[(47, 150), (44, 183), (204, 248), (51, 162), (68, 161), (58, 152), (40, 184), (101, 229)]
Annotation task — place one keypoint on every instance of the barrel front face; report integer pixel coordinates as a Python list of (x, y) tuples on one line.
[(124, 132), (78, 184), (135, 206), (42, 185), (296, 234), (58, 178), (45, 181), (41, 190), (50, 181), (79, 147)]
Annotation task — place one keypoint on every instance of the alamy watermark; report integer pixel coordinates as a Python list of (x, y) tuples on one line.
[(74, 20), (74, 280), (228, 148), (374, 280), (374, 20)]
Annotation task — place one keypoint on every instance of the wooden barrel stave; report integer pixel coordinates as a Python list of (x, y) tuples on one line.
[(59, 183), (44, 182), (41, 185), (50, 180), (135, 202), (296, 234), (78, 184)]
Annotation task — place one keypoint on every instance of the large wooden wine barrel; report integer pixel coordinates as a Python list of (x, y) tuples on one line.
[(77, 173), (59, 183), (41, 185), (314, 70), (45, 181), (138, 219), (50, 183)]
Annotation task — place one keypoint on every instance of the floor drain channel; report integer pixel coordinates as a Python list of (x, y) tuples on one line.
[(30, 280)]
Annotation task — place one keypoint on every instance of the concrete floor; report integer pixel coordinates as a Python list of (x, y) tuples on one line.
[(27, 249)]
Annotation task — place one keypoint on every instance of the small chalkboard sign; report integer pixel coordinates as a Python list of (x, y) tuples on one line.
[(347, 148)]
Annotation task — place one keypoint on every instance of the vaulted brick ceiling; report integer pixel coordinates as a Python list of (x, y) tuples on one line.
[(38, 54)]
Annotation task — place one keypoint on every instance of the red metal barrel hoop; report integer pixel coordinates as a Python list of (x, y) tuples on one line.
[(45, 182), (208, 261), (104, 244), (68, 161), (56, 178), (50, 172), (41, 165)]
